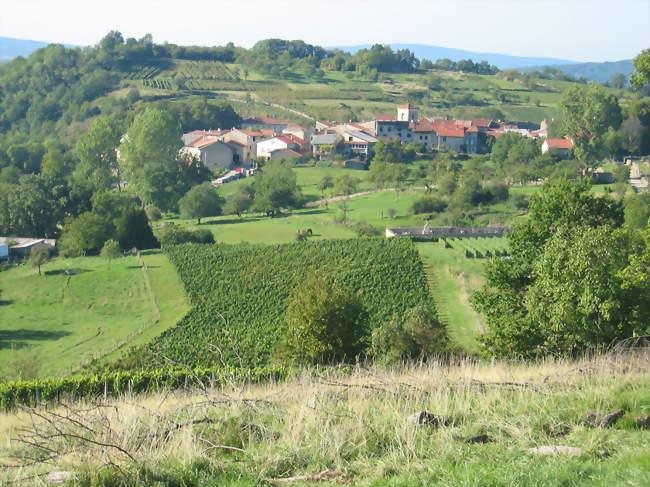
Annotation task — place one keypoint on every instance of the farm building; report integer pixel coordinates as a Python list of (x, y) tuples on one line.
[(21, 247)]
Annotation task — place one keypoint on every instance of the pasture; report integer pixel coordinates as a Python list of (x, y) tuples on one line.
[(54, 323)]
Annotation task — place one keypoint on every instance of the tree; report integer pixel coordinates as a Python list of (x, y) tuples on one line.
[(200, 202), (388, 151), (642, 67), (111, 250), (132, 229), (587, 115), (325, 183), (324, 324), (238, 203), (619, 81), (578, 300), (38, 257), (149, 158), (86, 234), (35, 206), (346, 184), (386, 174), (637, 211), (276, 188), (97, 154), (560, 207)]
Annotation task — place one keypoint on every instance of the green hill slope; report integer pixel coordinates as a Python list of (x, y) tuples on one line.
[(51, 325)]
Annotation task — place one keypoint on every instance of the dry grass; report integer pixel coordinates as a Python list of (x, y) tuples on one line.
[(356, 423)]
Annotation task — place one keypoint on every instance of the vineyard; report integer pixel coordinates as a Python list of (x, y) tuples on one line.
[(203, 70), (144, 72), (478, 247), (89, 387), (239, 294)]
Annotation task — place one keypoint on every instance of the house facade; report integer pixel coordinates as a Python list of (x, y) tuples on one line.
[(558, 147), (212, 152)]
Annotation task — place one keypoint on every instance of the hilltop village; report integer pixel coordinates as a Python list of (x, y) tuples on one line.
[(266, 138)]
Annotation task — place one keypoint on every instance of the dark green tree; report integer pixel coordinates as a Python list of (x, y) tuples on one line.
[(200, 202), (97, 154), (588, 113), (86, 234), (562, 204), (149, 158), (276, 188)]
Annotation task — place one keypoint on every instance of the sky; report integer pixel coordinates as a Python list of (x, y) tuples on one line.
[(578, 30)]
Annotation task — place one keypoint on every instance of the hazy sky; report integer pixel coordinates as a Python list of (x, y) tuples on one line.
[(581, 30)]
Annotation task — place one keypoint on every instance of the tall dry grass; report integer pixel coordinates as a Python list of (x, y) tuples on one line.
[(356, 422)]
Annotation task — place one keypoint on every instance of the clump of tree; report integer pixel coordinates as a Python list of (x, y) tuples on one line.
[(416, 334), (150, 160), (114, 216), (571, 282), (325, 323)]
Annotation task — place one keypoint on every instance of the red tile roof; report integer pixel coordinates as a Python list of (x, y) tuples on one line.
[(444, 131), (251, 133), (203, 142), (559, 143), (386, 118), (409, 106), (288, 151)]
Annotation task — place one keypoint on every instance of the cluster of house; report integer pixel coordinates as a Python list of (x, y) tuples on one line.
[(271, 139), (16, 248)]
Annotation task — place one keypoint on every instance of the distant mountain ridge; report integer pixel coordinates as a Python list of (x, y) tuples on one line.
[(600, 72), (11, 48), (433, 53)]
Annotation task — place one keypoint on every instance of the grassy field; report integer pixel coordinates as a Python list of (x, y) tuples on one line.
[(52, 324), (358, 425), (452, 279)]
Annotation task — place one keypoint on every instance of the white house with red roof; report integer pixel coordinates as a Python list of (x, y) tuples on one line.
[(267, 147), (559, 147)]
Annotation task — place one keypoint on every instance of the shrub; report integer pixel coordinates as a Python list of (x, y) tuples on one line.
[(428, 204), (415, 334), (325, 323), (111, 250), (365, 229), (153, 213), (176, 235)]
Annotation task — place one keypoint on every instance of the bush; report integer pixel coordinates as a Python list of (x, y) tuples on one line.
[(153, 213), (325, 323), (428, 204), (415, 334), (365, 229), (520, 201), (175, 235)]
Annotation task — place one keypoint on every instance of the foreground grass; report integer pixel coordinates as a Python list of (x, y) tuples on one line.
[(356, 423), (54, 323)]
